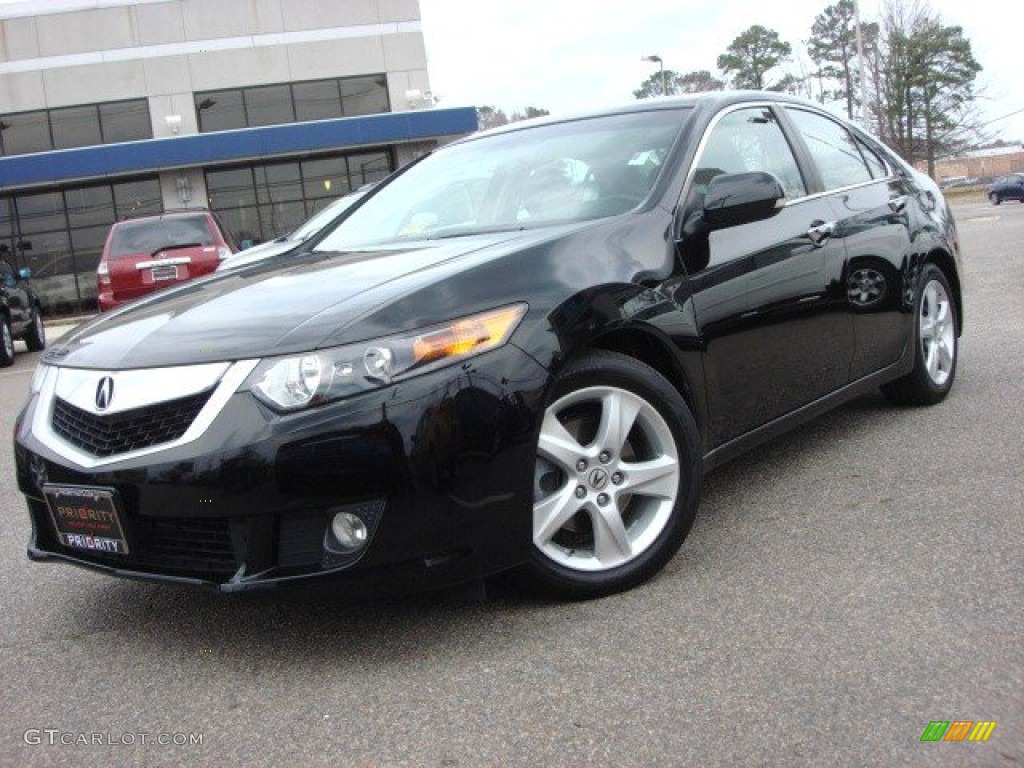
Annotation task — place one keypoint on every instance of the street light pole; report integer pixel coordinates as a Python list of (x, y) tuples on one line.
[(661, 67)]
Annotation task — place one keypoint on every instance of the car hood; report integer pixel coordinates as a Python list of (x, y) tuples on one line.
[(257, 253), (306, 302)]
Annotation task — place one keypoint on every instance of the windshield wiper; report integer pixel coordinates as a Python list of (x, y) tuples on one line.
[(174, 248)]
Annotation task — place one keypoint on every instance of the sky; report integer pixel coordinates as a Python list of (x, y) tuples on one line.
[(567, 55)]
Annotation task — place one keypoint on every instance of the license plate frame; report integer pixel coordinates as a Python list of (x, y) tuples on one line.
[(87, 518), (162, 272)]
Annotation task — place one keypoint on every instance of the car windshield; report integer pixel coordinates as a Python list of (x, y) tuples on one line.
[(324, 217), (556, 173), (134, 237)]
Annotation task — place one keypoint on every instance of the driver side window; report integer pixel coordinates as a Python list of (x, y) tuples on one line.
[(748, 140)]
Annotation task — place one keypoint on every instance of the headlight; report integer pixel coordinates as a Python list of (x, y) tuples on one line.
[(290, 383), (37, 379)]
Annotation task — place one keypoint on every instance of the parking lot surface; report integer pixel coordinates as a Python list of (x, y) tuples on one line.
[(843, 587)]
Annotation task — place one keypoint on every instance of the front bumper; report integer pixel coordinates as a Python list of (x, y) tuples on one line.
[(440, 465)]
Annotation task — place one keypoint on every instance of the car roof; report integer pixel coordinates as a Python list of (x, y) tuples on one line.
[(172, 214), (711, 100)]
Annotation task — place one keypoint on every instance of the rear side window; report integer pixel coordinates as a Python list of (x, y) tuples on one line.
[(833, 148), (133, 238)]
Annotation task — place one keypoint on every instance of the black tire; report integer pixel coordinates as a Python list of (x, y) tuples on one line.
[(936, 345), (35, 336), (6, 343), (596, 528), (996, 200)]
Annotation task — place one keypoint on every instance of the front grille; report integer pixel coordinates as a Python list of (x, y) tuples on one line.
[(111, 434), (199, 545)]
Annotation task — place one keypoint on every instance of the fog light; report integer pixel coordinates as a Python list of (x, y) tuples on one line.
[(349, 531)]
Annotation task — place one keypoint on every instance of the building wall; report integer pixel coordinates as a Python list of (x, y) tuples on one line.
[(980, 167), (166, 50)]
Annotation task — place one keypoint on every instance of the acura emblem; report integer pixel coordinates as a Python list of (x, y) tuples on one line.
[(104, 393)]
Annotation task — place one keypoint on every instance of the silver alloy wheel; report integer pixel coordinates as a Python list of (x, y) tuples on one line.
[(602, 499), (8, 341), (938, 338)]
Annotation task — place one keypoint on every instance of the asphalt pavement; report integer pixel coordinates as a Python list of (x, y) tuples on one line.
[(843, 586)]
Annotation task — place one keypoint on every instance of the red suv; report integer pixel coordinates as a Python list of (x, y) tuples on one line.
[(155, 252)]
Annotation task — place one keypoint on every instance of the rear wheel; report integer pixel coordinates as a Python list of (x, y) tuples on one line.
[(35, 336), (616, 481), (935, 344), (6, 343)]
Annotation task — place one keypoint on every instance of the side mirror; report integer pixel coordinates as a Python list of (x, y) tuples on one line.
[(741, 198), (24, 273)]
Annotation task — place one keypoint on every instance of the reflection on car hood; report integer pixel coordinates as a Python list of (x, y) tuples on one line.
[(274, 308), (256, 253)]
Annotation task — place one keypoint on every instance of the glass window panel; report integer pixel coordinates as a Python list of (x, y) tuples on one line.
[(325, 178), (278, 183), (269, 105), (833, 149), (6, 218), (89, 239), (25, 132), (364, 95), (317, 101), (220, 110), (230, 189), (281, 218), (244, 223), (749, 140), (368, 167), (40, 213), (53, 277), (75, 127), (126, 121), (138, 198), (90, 205)]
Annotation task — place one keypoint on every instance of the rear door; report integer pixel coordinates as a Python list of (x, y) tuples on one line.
[(150, 254), (872, 208), (765, 294)]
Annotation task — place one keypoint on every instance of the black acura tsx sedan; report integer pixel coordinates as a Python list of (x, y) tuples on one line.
[(519, 353)]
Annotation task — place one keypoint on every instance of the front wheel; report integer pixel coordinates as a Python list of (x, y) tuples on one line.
[(996, 200), (935, 344), (616, 481)]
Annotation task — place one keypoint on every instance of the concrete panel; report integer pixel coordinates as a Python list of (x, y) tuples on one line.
[(268, 16), (400, 83), (180, 104), (19, 38), (318, 14), (405, 51), (159, 23), (242, 66), (168, 74), (336, 58), (91, 83), (207, 19), (22, 92), (169, 188), (96, 30), (399, 10)]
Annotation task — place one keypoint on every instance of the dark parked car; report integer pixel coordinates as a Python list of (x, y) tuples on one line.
[(520, 352), (1010, 187), (152, 253), (21, 316)]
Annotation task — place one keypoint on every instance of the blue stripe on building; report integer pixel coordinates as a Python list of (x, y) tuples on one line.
[(227, 146)]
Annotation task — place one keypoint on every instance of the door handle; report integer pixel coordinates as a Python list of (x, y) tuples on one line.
[(821, 231), (898, 204)]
